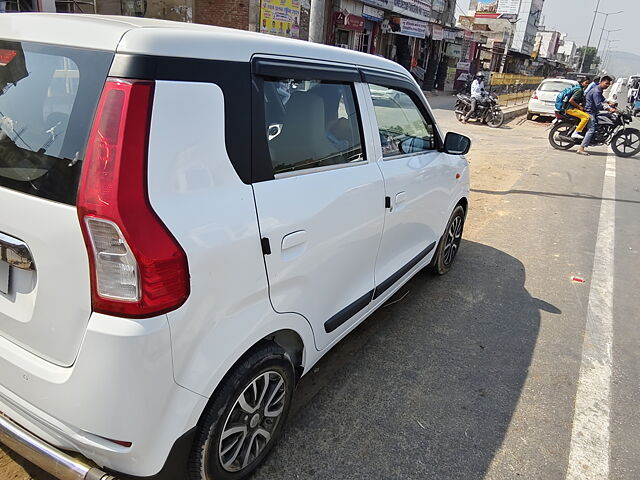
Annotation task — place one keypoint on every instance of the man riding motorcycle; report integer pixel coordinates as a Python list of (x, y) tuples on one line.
[(477, 94), (594, 104)]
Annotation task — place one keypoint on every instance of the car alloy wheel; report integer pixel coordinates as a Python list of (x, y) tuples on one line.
[(252, 421), (453, 239)]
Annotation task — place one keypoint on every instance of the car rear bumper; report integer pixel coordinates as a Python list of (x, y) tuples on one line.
[(541, 108), (120, 387), (45, 456)]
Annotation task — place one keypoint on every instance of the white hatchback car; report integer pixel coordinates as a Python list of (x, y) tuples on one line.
[(192, 217), (543, 100)]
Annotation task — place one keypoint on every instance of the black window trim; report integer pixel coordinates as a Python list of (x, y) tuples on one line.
[(403, 84), (232, 77), (279, 68)]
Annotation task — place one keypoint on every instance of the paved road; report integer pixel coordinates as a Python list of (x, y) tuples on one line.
[(475, 375)]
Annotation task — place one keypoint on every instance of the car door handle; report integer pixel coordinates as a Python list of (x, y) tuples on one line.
[(401, 198), (294, 239)]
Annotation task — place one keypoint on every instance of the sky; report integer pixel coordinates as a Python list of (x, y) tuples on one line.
[(574, 18)]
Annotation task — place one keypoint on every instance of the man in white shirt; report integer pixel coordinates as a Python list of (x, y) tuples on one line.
[(477, 92)]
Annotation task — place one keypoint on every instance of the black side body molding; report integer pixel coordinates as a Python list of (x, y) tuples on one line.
[(388, 283), (350, 310), (347, 312)]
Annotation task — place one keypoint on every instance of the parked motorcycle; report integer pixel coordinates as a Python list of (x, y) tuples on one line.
[(487, 111), (612, 130)]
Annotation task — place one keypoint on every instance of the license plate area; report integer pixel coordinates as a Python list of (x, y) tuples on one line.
[(5, 270)]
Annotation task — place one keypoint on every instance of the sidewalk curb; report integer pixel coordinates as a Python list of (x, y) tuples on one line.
[(514, 112)]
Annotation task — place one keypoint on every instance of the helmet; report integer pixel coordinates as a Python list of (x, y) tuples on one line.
[(479, 75)]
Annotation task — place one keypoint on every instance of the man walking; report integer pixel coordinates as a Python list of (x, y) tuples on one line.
[(594, 103)]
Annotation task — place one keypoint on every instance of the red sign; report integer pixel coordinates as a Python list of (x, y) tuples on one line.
[(349, 21)]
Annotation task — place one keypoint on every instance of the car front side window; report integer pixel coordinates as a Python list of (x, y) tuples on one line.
[(402, 127)]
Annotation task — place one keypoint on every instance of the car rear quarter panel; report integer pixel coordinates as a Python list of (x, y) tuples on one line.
[(197, 193)]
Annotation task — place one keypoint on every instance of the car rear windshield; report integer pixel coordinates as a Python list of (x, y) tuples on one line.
[(48, 96), (554, 86)]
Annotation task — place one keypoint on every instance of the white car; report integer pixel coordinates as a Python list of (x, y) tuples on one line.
[(191, 218), (543, 100)]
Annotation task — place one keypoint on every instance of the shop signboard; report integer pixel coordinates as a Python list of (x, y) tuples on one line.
[(372, 13), (463, 66), (349, 21), (437, 6), (419, 9), (497, 8), (280, 17), (408, 27), (437, 32), (468, 35), (449, 35), (454, 50)]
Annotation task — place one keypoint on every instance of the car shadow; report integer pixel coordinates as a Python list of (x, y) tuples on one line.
[(426, 387)]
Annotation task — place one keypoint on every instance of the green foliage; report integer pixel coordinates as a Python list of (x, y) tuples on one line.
[(591, 58)]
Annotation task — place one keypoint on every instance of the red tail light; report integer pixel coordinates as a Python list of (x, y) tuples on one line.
[(6, 56), (535, 96), (138, 269)]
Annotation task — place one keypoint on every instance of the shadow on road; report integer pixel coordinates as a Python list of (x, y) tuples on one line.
[(426, 387)]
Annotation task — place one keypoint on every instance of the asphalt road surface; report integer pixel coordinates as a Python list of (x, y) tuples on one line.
[(522, 362)]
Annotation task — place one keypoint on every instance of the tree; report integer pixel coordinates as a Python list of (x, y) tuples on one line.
[(591, 58)]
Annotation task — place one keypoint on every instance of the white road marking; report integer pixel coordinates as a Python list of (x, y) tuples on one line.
[(589, 454)]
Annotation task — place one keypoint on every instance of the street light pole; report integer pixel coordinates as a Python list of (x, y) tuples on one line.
[(584, 53), (606, 17), (608, 53), (608, 33)]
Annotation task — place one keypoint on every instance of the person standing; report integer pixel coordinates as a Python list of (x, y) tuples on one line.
[(594, 103), (477, 92)]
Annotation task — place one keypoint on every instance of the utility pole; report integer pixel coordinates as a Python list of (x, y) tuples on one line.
[(584, 53), (606, 17), (316, 21)]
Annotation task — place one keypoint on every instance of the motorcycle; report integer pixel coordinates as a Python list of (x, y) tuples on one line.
[(487, 111), (612, 130)]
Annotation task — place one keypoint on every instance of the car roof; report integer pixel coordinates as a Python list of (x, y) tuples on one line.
[(568, 80), (147, 36)]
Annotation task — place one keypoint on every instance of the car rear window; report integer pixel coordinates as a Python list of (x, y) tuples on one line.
[(554, 86), (48, 96)]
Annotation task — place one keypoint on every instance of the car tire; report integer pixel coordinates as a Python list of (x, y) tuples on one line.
[(529, 116), (245, 417), (449, 243)]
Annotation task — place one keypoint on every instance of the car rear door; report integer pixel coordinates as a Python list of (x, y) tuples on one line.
[(320, 201), (419, 179), (48, 96)]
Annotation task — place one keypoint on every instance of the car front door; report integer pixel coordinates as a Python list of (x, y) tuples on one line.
[(321, 210), (418, 178)]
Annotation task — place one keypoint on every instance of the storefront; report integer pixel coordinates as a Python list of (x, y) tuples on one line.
[(373, 18), (348, 30)]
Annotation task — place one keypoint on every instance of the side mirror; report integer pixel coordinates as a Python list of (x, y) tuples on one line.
[(456, 144)]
